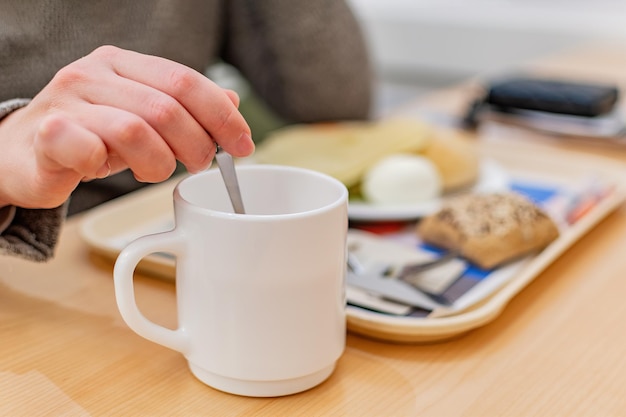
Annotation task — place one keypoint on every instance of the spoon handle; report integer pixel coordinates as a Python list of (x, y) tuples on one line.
[(227, 168)]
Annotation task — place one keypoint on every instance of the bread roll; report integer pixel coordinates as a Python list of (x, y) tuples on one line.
[(489, 229), (455, 157)]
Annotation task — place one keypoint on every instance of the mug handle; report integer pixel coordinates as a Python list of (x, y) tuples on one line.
[(123, 271)]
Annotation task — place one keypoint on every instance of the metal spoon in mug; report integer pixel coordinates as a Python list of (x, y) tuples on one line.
[(227, 168)]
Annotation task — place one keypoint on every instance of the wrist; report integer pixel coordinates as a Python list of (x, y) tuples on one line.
[(6, 109)]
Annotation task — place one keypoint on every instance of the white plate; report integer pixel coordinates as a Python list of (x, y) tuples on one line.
[(492, 177)]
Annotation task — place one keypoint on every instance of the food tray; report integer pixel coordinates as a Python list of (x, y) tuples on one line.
[(109, 227)]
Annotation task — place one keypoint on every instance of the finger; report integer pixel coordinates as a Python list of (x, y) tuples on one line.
[(202, 98), (176, 128), (130, 139), (233, 96), (188, 140), (61, 144)]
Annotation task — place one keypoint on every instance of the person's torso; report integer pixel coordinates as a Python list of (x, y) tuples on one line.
[(37, 38)]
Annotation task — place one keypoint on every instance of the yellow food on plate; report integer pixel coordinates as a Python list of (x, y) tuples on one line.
[(343, 150), (456, 159), (401, 179), (348, 150)]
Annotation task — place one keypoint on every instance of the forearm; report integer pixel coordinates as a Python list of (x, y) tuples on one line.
[(308, 60)]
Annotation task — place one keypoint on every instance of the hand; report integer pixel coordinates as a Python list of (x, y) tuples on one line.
[(111, 110)]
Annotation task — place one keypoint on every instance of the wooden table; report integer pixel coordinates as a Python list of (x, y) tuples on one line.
[(558, 349)]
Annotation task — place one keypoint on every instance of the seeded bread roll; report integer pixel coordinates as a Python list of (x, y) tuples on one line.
[(489, 229)]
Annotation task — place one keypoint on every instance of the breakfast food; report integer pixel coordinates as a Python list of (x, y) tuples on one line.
[(348, 151), (455, 158), (343, 150), (401, 179), (489, 229)]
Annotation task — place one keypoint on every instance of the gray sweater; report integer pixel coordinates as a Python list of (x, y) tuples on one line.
[(306, 58)]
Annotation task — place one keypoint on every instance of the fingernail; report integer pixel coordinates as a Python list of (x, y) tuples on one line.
[(244, 145), (104, 170)]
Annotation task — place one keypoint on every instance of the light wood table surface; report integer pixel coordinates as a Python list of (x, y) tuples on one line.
[(558, 349)]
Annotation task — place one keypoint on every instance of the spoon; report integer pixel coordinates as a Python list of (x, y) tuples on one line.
[(227, 168)]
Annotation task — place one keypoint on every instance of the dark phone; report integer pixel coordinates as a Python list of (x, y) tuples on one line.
[(552, 96)]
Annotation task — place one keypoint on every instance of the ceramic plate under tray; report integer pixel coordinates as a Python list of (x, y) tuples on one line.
[(109, 227)]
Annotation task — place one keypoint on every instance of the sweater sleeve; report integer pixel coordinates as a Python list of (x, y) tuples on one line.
[(7, 214), (28, 233), (307, 59)]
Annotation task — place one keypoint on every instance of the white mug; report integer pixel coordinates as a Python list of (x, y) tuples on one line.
[(261, 295)]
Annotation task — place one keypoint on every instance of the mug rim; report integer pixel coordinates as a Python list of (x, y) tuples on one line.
[(340, 200)]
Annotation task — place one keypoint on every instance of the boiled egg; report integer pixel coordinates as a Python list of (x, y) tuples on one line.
[(401, 179)]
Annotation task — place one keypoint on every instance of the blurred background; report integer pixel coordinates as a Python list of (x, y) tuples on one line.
[(421, 45), (418, 45)]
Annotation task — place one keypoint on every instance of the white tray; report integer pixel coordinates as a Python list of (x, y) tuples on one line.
[(109, 227)]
